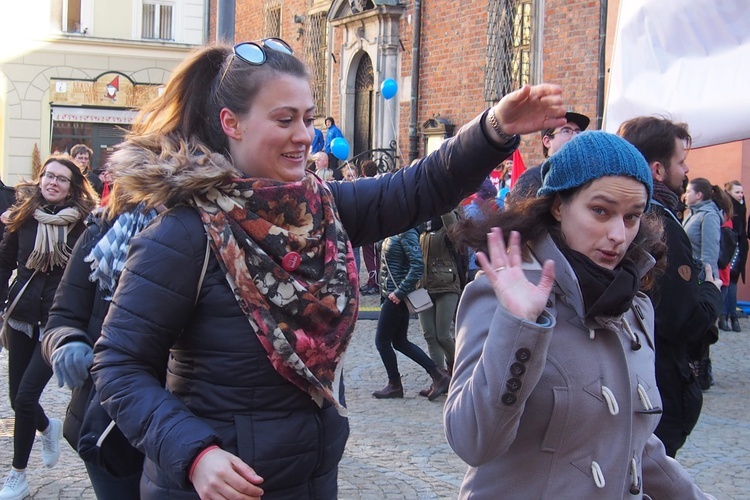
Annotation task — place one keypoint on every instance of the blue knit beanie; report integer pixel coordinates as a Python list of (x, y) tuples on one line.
[(589, 156)]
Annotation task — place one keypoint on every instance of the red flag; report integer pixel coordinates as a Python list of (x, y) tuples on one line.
[(519, 167)]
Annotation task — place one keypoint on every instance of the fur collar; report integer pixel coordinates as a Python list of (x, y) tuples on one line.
[(168, 173)]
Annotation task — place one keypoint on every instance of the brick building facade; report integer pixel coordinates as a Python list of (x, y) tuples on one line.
[(453, 57), (567, 42)]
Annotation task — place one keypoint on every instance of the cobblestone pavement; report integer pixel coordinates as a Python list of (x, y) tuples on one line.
[(397, 449)]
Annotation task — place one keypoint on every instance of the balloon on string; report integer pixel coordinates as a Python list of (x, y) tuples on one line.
[(340, 148), (388, 88)]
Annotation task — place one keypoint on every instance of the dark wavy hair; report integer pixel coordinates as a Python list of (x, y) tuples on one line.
[(29, 195), (533, 219)]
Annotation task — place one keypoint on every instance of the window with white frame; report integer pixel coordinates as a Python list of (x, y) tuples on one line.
[(157, 20), (71, 16)]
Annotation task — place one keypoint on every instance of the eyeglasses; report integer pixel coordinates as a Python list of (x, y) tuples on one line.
[(59, 178), (567, 131), (255, 52)]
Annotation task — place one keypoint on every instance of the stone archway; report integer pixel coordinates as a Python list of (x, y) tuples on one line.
[(372, 34)]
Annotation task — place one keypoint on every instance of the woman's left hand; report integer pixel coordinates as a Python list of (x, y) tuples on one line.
[(393, 298), (530, 109), (514, 292)]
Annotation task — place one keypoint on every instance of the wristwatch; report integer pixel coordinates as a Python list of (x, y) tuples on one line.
[(499, 129)]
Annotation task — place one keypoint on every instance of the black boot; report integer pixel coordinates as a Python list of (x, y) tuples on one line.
[(393, 389), (723, 324), (426, 391), (735, 324), (440, 382)]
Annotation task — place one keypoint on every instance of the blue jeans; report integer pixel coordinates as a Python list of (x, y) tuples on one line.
[(392, 330), (730, 300), (114, 488)]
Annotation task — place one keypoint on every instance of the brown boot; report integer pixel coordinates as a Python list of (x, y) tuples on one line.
[(426, 391), (440, 382), (393, 389)]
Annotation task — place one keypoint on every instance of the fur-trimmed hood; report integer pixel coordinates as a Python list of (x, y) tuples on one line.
[(168, 174)]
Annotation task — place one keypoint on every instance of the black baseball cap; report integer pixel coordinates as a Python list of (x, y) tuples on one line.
[(581, 120)]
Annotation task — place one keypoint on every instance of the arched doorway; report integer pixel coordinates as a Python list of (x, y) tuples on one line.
[(363, 97)]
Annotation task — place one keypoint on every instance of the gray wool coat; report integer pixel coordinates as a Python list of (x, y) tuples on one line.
[(703, 227), (561, 408)]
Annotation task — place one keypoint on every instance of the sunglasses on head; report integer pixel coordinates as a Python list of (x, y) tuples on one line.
[(255, 52)]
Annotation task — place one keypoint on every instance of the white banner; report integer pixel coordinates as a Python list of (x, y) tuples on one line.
[(687, 60)]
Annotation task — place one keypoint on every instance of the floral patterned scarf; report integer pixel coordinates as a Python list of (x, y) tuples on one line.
[(304, 317)]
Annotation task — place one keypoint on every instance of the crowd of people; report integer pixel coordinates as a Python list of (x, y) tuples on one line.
[(589, 291)]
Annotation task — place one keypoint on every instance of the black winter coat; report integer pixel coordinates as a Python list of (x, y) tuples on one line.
[(739, 224), (34, 305), (684, 310), (77, 315), (220, 386)]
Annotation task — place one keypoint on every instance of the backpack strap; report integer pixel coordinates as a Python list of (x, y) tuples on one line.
[(203, 271)]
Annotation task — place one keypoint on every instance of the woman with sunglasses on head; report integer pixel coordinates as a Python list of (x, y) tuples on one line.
[(42, 227), (254, 403), (554, 389)]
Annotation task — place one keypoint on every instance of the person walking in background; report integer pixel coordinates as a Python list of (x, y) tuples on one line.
[(401, 268), (42, 227), (348, 172), (484, 200), (253, 404), (444, 277), (686, 307), (554, 392), (332, 133), (703, 221), (74, 325), (552, 140), (7, 199), (83, 154), (369, 253), (318, 142), (729, 318), (706, 204)]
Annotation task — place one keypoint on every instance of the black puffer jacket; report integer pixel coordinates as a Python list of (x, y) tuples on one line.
[(77, 315), (684, 309), (34, 305), (221, 387)]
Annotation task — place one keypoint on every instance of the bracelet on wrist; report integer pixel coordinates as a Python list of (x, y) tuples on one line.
[(197, 459), (498, 128)]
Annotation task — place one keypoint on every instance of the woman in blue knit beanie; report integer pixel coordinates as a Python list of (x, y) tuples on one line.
[(553, 389)]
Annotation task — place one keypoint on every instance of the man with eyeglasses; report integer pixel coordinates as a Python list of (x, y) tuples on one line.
[(82, 154), (552, 140)]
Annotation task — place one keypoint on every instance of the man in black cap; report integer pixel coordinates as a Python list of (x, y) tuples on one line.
[(552, 139)]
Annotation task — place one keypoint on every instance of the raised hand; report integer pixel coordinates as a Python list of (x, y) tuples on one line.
[(514, 292), (531, 109)]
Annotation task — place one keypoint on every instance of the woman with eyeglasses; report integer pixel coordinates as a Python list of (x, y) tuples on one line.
[(42, 227), (254, 402)]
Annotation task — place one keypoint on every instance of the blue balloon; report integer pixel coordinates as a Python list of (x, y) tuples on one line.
[(340, 148), (388, 88)]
